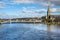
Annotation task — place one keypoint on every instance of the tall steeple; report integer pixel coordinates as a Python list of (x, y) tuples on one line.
[(48, 12)]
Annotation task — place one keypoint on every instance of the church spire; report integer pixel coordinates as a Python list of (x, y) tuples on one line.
[(48, 12)]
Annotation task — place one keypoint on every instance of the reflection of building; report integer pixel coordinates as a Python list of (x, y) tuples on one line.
[(49, 32)]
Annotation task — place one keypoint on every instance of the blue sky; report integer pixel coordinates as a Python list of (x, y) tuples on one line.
[(27, 8)]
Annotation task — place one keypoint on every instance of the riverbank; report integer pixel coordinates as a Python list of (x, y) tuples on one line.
[(0, 22), (51, 23), (48, 23)]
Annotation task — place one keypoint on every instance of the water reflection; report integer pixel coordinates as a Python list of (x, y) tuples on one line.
[(48, 32), (0, 24), (53, 32), (21, 31)]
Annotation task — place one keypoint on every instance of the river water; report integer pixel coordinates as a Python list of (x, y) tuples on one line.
[(24, 31)]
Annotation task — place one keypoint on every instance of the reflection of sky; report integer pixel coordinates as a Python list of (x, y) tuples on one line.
[(43, 27), (54, 29), (28, 32)]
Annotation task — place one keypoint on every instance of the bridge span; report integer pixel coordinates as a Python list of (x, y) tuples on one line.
[(22, 21)]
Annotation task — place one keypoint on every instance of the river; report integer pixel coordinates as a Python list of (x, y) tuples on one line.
[(24, 31)]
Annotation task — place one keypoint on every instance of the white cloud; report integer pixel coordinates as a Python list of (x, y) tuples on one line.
[(55, 10), (55, 2), (25, 10), (41, 11), (42, 2), (2, 5), (45, 10), (23, 1)]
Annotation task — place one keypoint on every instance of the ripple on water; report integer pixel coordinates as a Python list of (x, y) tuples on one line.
[(26, 32)]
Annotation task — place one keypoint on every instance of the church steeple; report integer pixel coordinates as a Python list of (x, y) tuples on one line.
[(48, 12)]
